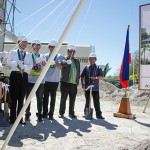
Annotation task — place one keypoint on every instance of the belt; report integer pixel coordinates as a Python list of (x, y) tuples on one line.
[(19, 72)]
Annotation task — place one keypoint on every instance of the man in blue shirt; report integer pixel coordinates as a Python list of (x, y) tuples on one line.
[(91, 75), (52, 79)]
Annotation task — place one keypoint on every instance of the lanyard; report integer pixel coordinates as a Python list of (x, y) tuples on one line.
[(20, 56), (50, 55), (33, 58)]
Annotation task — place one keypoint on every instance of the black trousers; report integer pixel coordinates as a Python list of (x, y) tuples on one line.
[(96, 98), (39, 97), (50, 88), (71, 90), (18, 87)]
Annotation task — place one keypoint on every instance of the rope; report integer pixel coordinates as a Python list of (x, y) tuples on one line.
[(133, 63), (66, 19), (84, 21), (31, 15), (42, 21), (55, 22)]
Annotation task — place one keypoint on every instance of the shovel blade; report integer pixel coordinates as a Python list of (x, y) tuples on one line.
[(89, 114)]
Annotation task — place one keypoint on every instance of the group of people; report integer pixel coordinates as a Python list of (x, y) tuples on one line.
[(26, 68)]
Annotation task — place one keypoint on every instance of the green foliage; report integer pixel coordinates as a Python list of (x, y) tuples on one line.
[(106, 69), (112, 77), (135, 77), (135, 64), (144, 36)]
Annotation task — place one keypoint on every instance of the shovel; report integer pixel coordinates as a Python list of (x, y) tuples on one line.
[(3, 121), (89, 110), (6, 108)]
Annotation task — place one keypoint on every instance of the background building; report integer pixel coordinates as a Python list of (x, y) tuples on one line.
[(82, 53)]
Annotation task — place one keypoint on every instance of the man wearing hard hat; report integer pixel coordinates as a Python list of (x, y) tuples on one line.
[(52, 79), (91, 75), (36, 62), (18, 78), (70, 75)]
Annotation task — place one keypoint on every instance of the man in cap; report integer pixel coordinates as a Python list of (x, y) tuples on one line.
[(91, 75), (36, 62), (52, 79), (70, 75), (18, 78)]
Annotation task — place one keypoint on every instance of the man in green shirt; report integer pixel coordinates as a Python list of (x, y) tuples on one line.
[(70, 74)]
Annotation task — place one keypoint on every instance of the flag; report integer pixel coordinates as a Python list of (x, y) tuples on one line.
[(124, 70)]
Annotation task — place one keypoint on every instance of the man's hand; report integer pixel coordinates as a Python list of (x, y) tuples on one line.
[(69, 62), (93, 78), (58, 64)]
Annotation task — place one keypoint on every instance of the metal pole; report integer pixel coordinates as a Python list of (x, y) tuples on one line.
[(76, 12), (3, 26), (146, 104)]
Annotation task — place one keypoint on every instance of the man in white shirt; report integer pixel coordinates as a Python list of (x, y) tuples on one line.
[(52, 79), (36, 62), (18, 78)]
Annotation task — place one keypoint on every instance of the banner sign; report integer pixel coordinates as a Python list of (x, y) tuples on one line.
[(144, 47)]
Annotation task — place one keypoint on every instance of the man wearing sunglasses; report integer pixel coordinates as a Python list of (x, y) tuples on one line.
[(52, 79), (70, 75)]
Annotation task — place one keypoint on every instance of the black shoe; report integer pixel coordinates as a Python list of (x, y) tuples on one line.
[(72, 116), (39, 116), (61, 116), (27, 118), (11, 122), (100, 117), (44, 116), (22, 122), (40, 119), (51, 118)]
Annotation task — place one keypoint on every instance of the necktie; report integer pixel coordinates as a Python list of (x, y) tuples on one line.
[(21, 55)]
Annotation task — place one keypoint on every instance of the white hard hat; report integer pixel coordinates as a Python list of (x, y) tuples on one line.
[(92, 55), (71, 47), (52, 43), (22, 38), (36, 42)]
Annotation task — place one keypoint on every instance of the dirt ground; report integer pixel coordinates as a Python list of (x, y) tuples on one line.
[(72, 134)]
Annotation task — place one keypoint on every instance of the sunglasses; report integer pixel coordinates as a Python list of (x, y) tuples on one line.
[(51, 46), (36, 44), (70, 51)]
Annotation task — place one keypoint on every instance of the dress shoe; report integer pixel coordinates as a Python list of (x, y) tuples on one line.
[(40, 118), (44, 116), (72, 116), (61, 116), (51, 118), (11, 122), (27, 118), (100, 117), (22, 122)]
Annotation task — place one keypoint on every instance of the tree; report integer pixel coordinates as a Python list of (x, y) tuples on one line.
[(145, 48), (135, 64), (145, 36), (106, 69)]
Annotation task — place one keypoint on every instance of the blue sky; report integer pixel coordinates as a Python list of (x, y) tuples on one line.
[(104, 26)]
